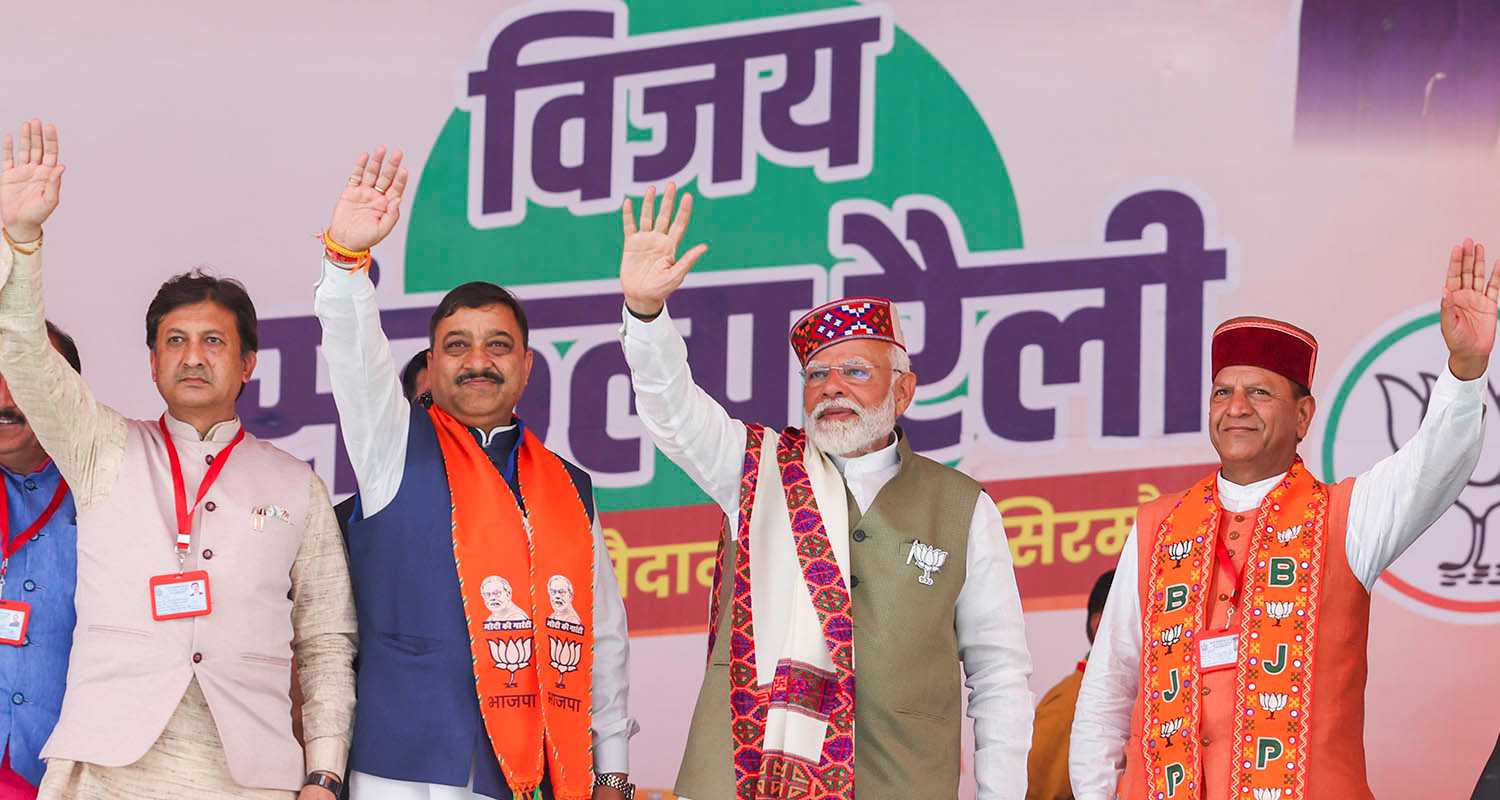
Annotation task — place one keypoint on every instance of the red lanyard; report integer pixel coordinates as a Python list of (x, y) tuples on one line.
[(179, 494), (1226, 563), (9, 545)]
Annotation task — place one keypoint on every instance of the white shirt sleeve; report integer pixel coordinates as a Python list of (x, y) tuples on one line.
[(997, 663), (373, 414), (1404, 493), (686, 424), (613, 725), (1111, 682)]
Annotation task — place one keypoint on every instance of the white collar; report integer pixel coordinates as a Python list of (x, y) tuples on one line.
[(486, 438), (220, 432), (884, 458), (1235, 497)]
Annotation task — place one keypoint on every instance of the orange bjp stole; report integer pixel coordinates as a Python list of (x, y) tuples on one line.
[(526, 578)]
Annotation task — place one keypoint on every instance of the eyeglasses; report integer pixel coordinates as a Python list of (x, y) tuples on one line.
[(853, 373)]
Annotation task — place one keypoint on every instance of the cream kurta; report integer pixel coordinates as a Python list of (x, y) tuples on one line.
[(88, 441)]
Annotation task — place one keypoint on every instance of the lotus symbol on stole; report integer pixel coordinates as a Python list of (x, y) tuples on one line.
[(1267, 794), (565, 656), (927, 558), (1286, 537), (1272, 702), (511, 655), (1170, 729), (1279, 610), (1171, 636), (1179, 551)]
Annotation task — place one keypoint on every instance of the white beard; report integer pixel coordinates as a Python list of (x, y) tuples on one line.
[(844, 438)]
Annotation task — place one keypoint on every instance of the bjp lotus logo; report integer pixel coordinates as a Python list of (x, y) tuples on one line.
[(1171, 636), (1382, 397), (1178, 551), (1406, 400), (1272, 702), (565, 656), (927, 558), (511, 655), (1170, 729), (1279, 610)]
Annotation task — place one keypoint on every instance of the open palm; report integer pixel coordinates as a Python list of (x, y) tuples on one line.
[(649, 267), (29, 180), (1469, 310), (370, 204)]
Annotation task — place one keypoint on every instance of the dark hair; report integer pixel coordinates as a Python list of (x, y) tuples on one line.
[(478, 294), (1099, 594), (197, 287), (65, 345), (409, 372), (1299, 391)]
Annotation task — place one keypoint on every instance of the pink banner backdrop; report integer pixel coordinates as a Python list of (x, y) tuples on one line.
[(1062, 197)]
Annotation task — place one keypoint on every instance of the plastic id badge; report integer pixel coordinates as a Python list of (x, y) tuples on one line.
[(181, 595)]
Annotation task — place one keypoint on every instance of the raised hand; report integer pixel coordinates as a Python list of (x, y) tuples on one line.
[(371, 202), (649, 267), (1469, 311), (29, 184)]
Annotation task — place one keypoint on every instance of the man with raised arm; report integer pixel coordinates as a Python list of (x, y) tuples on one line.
[(207, 559), (847, 554), (457, 500), (1231, 660)]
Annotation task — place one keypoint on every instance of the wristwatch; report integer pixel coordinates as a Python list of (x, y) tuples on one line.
[(326, 780), (615, 780)]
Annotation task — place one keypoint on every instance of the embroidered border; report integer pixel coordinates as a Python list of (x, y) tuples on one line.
[(1273, 753), (825, 584), (1173, 616), (747, 703)]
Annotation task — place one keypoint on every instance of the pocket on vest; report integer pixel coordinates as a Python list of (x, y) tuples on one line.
[(907, 712), (271, 661), (118, 630), (408, 644)]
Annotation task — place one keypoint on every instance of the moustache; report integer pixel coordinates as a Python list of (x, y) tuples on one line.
[(10, 415), (195, 373), (479, 375), (838, 403)]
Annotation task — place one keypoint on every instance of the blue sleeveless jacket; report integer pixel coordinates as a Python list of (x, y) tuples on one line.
[(417, 717)]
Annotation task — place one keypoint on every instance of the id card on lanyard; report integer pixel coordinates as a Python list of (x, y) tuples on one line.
[(1221, 649), (186, 594), (15, 615)]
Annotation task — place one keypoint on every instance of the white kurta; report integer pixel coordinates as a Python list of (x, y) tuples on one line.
[(700, 437), (374, 417), (1392, 504)]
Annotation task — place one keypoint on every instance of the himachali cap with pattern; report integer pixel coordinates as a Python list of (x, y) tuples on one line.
[(1280, 347), (841, 320)]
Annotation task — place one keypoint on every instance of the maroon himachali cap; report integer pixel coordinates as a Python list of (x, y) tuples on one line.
[(1280, 347), (843, 320)]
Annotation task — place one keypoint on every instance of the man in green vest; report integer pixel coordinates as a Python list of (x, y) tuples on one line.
[(841, 541)]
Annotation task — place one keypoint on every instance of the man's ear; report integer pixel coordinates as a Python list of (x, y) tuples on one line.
[(1307, 408), (906, 390)]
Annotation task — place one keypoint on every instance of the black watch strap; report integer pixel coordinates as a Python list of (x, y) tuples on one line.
[(326, 780)]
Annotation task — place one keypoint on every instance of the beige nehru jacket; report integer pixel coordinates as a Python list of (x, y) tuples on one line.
[(280, 580)]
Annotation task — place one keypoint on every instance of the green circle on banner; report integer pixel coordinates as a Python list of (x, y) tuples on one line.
[(1340, 400), (928, 139)]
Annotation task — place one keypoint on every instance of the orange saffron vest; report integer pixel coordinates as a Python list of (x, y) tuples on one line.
[(1335, 762)]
